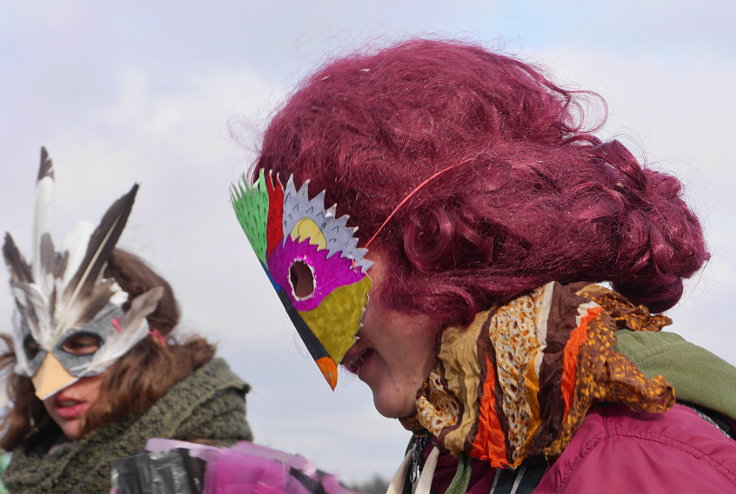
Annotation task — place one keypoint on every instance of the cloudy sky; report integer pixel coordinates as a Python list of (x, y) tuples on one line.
[(174, 96)]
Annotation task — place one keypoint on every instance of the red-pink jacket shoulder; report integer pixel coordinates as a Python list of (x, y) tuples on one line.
[(617, 450)]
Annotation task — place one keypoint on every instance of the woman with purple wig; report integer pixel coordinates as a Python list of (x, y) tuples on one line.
[(502, 296)]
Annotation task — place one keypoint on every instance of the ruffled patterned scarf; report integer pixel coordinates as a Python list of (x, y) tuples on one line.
[(520, 379)]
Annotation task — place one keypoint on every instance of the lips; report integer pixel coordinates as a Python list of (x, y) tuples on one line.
[(69, 408), (356, 357)]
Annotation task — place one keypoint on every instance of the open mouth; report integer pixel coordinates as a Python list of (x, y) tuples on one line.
[(353, 363), (69, 408), (67, 403)]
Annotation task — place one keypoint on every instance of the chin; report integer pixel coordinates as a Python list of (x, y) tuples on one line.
[(394, 407), (72, 430)]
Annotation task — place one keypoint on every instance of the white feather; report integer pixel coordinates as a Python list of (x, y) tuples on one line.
[(76, 243), (35, 297), (120, 296), (20, 295), (44, 195), (22, 366)]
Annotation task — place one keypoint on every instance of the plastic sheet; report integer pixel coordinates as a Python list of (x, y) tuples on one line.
[(171, 466), (172, 471)]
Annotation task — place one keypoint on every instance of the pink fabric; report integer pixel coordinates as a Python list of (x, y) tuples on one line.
[(620, 451), (248, 467)]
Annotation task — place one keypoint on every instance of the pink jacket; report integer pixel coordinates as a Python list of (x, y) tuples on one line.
[(620, 451)]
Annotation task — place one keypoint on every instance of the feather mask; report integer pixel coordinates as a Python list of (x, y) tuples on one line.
[(69, 320), (312, 259)]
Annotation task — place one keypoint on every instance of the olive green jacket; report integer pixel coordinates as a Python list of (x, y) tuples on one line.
[(698, 376), (209, 404)]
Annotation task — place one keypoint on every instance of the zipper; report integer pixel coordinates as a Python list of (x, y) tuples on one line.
[(417, 462)]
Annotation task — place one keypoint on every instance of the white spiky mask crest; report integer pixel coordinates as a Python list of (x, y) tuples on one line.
[(63, 295)]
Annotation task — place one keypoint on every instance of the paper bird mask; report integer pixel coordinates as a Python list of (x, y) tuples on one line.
[(69, 320), (312, 260)]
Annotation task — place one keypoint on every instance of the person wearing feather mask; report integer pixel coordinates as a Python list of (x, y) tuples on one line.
[(93, 368), (480, 212)]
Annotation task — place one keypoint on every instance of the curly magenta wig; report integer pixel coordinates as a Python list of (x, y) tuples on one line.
[(537, 198)]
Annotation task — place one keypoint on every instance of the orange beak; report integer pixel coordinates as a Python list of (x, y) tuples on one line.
[(51, 377), (329, 370)]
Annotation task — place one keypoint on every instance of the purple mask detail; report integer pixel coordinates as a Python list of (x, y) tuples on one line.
[(327, 274)]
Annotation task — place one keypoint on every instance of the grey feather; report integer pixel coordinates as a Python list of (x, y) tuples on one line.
[(101, 244), (47, 166), (19, 268)]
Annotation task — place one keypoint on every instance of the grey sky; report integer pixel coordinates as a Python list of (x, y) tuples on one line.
[(174, 94)]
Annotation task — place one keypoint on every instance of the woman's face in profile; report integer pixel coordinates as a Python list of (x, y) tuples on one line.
[(395, 351), (69, 406)]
